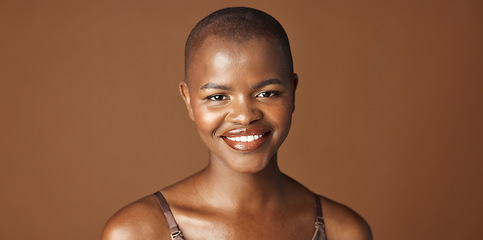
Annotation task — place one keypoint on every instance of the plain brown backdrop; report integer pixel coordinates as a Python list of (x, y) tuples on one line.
[(388, 118)]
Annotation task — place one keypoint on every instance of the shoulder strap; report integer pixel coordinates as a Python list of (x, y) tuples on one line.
[(173, 226), (319, 220)]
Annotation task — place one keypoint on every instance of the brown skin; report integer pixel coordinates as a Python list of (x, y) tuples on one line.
[(239, 195)]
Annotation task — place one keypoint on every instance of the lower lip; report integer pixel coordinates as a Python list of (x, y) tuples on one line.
[(247, 146)]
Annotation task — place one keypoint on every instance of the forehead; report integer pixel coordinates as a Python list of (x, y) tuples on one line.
[(260, 55)]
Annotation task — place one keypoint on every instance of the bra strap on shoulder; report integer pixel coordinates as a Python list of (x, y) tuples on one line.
[(173, 226), (319, 217), (319, 220)]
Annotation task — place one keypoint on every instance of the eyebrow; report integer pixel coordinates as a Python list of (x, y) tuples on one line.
[(256, 86), (267, 82), (216, 86)]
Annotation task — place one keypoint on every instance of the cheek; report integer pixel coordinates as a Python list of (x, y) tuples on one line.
[(281, 116), (207, 120), (284, 111)]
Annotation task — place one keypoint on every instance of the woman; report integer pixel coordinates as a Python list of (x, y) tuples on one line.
[(239, 90)]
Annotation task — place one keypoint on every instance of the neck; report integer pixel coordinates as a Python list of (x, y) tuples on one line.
[(233, 190)]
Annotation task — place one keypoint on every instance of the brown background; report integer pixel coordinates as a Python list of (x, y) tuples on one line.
[(388, 120)]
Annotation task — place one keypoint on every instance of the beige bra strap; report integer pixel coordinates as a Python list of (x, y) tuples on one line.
[(173, 226), (319, 219)]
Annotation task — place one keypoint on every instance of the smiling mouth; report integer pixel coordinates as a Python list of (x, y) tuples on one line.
[(246, 139), (249, 138)]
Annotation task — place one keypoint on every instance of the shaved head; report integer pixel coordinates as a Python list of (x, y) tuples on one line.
[(238, 25)]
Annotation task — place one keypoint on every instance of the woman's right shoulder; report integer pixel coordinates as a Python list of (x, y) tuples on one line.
[(142, 219)]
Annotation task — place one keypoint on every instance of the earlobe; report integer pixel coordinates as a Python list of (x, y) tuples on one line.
[(185, 94)]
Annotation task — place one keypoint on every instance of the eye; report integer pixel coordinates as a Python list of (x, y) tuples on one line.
[(217, 97), (267, 94)]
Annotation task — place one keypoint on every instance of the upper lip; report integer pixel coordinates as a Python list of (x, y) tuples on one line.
[(245, 131)]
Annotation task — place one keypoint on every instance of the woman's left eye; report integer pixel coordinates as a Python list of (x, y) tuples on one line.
[(266, 94)]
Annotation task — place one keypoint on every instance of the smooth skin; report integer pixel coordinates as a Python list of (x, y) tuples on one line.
[(240, 194)]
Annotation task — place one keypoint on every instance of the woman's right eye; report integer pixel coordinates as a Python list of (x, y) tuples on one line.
[(217, 97)]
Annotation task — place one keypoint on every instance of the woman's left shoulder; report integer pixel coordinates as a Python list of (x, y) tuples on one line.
[(342, 222)]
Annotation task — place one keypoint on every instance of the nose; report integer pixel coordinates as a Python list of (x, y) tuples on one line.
[(243, 112)]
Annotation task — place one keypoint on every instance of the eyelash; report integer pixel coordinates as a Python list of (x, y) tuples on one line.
[(212, 97), (224, 97), (272, 94)]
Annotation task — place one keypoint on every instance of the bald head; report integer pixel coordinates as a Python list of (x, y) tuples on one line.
[(238, 25)]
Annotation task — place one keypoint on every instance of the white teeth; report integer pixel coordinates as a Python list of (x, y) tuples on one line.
[(249, 138)]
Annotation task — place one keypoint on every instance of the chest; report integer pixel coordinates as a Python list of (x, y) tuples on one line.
[(280, 226)]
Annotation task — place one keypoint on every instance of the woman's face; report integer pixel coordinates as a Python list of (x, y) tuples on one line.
[(241, 97)]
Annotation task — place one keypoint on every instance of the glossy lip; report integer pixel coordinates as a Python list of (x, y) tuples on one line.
[(246, 146)]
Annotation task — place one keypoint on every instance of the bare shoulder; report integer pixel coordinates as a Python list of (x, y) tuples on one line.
[(344, 223), (142, 219)]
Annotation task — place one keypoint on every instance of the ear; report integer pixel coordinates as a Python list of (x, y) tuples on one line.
[(295, 82), (185, 94)]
